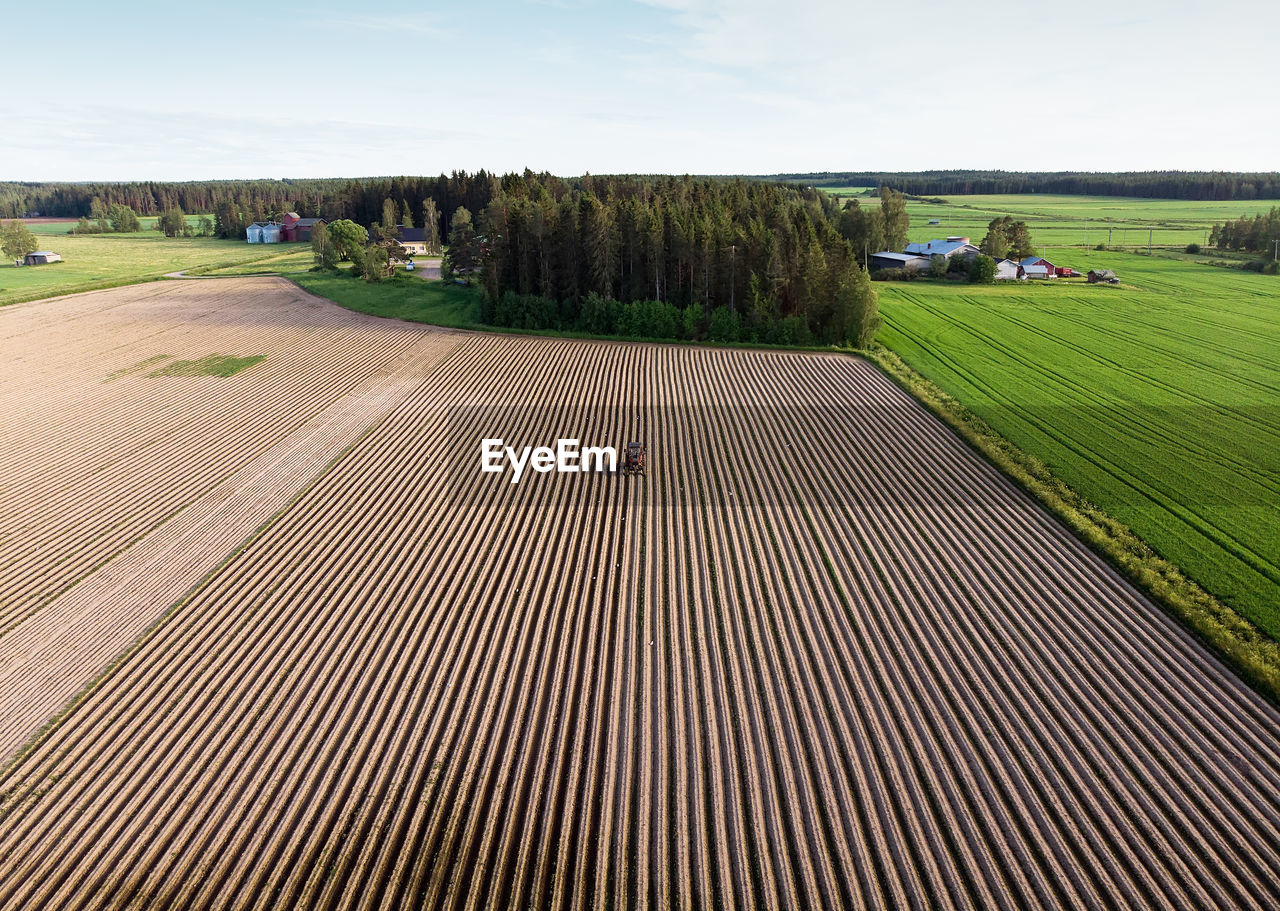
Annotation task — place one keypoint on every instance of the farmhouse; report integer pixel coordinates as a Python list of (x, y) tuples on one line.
[(296, 229), (887, 259), (952, 246), (263, 232), (1103, 276), (41, 258), (414, 240)]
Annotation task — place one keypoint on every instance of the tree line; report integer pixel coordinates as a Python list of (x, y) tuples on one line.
[(236, 204), (1206, 185), (1250, 235), (664, 257)]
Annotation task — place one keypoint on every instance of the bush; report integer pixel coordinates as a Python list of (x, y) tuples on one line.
[(694, 322), (725, 326), (982, 270), (1193, 248), (1271, 268), (793, 330), (1100, 247), (892, 275)]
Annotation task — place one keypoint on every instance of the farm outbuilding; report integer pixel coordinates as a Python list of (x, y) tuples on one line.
[(263, 232), (1103, 276), (887, 259), (41, 258), (1006, 270), (1037, 267), (294, 228), (952, 246)]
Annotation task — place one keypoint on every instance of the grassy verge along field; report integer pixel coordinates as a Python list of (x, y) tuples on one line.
[(402, 297), (1157, 402), (102, 260)]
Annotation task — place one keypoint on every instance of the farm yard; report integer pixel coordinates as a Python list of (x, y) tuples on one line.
[(821, 656), (1155, 401)]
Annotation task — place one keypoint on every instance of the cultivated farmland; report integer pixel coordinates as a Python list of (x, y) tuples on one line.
[(1156, 402), (821, 656)]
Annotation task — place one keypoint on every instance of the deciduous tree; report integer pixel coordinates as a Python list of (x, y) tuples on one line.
[(16, 240)]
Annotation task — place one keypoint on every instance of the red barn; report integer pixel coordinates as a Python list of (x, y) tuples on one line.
[(294, 228)]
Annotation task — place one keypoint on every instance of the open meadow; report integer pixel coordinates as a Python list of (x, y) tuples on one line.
[(102, 260), (1157, 400), (821, 656)]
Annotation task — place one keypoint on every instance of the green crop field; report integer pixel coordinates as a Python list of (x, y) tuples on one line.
[(1158, 401), (101, 260), (1074, 221)]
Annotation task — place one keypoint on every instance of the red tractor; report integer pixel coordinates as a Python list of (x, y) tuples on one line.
[(633, 459)]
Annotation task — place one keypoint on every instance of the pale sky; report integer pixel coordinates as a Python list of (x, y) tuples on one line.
[(178, 91)]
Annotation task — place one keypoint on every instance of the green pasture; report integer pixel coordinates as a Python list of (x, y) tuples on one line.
[(285, 258), (1159, 401), (64, 227), (93, 261)]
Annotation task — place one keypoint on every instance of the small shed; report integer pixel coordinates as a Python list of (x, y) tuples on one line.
[(41, 258), (1035, 270), (1103, 276)]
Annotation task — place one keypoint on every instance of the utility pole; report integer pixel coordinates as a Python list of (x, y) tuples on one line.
[(1150, 231), (1276, 257), (1110, 228), (1086, 234)]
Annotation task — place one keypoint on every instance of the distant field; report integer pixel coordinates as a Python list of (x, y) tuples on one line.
[(62, 226), (99, 260), (1158, 404), (1075, 221)]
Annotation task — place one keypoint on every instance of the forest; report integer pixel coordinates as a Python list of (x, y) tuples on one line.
[(665, 257), (237, 203), (1204, 185)]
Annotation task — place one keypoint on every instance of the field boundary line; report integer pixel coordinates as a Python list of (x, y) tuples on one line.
[(1229, 635)]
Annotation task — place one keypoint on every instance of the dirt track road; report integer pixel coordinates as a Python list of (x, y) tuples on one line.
[(821, 656)]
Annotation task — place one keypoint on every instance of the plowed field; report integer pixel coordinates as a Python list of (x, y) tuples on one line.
[(820, 656)]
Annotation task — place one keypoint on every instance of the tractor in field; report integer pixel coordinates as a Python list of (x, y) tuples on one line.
[(633, 459)]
